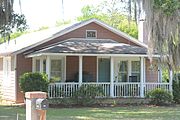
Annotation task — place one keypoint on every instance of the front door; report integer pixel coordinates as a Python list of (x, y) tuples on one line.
[(103, 70)]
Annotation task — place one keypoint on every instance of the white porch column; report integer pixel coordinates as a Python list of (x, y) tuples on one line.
[(159, 72), (170, 79), (144, 73), (129, 70), (112, 77), (141, 78), (48, 67), (80, 69), (33, 64)]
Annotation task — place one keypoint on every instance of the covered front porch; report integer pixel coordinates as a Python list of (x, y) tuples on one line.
[(119, 76), (121, 70)]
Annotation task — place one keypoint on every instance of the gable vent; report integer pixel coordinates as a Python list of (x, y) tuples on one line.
[(91, 34)]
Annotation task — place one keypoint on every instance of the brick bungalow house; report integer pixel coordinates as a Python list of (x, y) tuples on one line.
[(89, 52)]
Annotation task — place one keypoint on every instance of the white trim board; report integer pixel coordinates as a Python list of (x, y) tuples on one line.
[(78, 54)]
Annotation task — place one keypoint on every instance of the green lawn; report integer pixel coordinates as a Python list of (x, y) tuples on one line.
[(125, 113)]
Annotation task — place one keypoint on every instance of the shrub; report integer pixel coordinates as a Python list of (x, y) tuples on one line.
[(34, 82), (86, 94), (176, 88), (160, 97), (61, 102)]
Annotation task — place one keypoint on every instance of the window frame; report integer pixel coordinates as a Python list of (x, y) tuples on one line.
[(124, 72), (91, 31), (48, 65), (62, 71), (129, 67), (136, 72)]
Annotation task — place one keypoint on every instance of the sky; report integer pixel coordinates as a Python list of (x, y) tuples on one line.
[(46, 12)]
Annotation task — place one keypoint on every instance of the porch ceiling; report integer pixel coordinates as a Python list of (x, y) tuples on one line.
[(91, 46)]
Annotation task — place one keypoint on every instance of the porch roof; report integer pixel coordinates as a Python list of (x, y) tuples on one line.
[(90, 46)]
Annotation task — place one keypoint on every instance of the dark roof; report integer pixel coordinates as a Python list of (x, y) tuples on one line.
[(92, 46)]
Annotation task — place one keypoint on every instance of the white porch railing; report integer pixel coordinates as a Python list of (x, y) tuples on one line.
[(125, 89), (150, 86), (105, 88), (60, 90)]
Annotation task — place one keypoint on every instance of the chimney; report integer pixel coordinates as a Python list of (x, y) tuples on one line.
[(142, 31)]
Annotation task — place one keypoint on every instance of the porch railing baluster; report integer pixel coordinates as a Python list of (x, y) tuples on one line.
[(121, 89)]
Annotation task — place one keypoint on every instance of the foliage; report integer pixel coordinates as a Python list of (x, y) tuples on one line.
[(34, 82), (128, 27), (160, 97), (167, 6), (176, 88), (9, 21), (42, 28), (110, 15), (61, 101), (60, 22), (17, 23), (163, 26), (88, 12), (165, 75), (86, 94), (13, 36)]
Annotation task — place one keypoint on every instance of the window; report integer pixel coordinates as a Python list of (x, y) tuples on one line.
[(127, 70), (37, 64), (135, 70), (56, 70), (122, 71), (91, 34)]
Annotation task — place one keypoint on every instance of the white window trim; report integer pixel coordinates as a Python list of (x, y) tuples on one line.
[(62, 66), (123, 72), (129, 59), (34, 63), (91, 31), (48, 65)]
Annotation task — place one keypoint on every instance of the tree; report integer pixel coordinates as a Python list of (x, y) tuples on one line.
[(163, 26), (10, 21), (89, 12), (163, 23), (110, 15)]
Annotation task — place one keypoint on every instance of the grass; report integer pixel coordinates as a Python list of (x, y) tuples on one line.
[(109, 113)]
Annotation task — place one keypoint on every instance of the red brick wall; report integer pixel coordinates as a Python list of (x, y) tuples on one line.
[(151, 75), (90, 66), (23, 65), (72, 67)]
